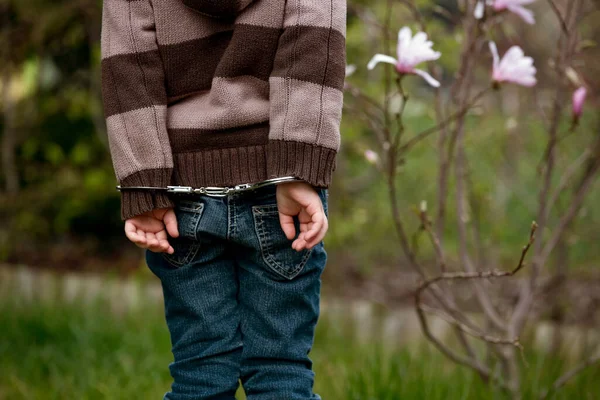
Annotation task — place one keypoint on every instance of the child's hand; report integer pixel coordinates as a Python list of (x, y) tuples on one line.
[(301, 199), (148, 230)]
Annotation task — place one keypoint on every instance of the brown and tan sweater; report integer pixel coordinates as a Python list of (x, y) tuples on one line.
[(221, 92)]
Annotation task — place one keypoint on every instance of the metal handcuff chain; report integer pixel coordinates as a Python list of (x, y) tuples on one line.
[(214, 190)]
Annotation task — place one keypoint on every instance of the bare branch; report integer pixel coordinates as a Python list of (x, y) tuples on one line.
[(387, 77), (556, 11), (426, 225), (471, 332), (560, 382), (424, 134), (586, 184), (479, 274), (367, 16), (565, 46), (404, 242), (567, 176), (460, 172), (468, 361)]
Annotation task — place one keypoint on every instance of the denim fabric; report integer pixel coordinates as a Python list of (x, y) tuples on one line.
[(240, 303)]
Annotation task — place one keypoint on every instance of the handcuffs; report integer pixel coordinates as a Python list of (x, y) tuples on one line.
[(215, 191)]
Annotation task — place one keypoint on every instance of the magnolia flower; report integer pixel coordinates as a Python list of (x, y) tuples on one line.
[(516, 6), (514, 67), (371, 156), (411, 51), (578, 100), (479, 9)]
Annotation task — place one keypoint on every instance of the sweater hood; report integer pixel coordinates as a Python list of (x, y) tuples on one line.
[(218, 8)]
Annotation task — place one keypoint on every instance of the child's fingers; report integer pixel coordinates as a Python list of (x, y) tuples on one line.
[(309, 243), (311, 232), (170, 221), (157, 242), (287, 225), (320, 235), (132, 233), (317, 219), (163, 242), (162, 246), (152, 241), (299, 244)]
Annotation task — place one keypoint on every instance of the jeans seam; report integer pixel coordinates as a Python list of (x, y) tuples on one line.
[(228, 218), (231, 217), (266, 255), (189, 256), (198, 210)]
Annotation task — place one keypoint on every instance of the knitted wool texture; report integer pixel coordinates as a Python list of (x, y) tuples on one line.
[(218, 93)]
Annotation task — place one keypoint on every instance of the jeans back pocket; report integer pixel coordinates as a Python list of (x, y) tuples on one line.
[(276, 249), (186, 245)]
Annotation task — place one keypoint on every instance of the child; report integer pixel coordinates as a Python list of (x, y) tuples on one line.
[(206, 93)]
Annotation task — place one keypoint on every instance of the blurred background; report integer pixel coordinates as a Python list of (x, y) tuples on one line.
[(81, 316)]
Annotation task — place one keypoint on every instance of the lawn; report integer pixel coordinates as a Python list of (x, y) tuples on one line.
[(71, 351)]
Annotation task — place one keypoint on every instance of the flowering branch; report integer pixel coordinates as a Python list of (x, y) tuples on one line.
[(499, 332), (565, 46)]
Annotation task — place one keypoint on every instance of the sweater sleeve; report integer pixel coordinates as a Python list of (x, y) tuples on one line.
[(306, 91), (135, 104)]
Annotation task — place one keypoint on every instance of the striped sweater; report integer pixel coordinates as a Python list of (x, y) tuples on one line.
[(221, 92)]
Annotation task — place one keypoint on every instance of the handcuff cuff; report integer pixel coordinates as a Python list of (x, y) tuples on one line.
[(216, 191)]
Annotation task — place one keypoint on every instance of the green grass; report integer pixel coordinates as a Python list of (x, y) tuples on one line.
[(73, 352)]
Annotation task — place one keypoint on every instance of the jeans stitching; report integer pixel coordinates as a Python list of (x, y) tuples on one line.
[(199, 211), (229, 217), (191, 206), (189, 256), (265, 248), (234, 226), (193, 250)]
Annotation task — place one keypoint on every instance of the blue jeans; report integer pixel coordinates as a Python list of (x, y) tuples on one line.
[(240, 303)]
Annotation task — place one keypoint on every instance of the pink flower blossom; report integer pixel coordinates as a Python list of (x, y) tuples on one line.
[(410, 52), (578, 100), (516, 6), (514, 67)]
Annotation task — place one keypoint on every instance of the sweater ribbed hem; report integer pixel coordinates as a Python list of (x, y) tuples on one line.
[(136, 202), (250, 164), (220, 167), (311, 163)]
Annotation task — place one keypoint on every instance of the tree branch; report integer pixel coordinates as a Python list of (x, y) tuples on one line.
[(463, 111), (471, 332), (470, 361), (560, 382)]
